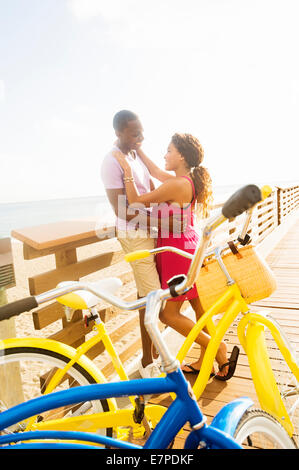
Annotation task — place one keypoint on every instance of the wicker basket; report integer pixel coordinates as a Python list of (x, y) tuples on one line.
[(253, 276)]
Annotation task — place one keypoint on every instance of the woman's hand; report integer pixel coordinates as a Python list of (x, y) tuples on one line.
[(121, 158)]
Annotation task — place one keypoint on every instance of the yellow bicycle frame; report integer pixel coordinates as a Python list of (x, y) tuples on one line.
[(231, 302), (254, 344), (115, 418)]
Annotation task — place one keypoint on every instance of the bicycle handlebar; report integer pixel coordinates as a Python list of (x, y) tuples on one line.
[(241, 200), (17, 307), (138, 254)]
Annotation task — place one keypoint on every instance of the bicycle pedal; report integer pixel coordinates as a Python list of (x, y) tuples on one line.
[(130, 432), (138, 414)]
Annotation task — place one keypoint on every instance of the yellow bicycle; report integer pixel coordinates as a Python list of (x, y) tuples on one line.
[(46, 365), (278, 396), (74, 365)]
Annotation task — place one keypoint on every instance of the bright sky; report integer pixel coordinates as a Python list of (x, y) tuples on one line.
[(226, 71)]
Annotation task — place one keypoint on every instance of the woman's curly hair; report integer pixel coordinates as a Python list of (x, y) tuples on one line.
[(190, 148)]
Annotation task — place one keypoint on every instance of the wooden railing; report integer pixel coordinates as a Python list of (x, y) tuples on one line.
[(287, 201), (64, 239), (264, 220)]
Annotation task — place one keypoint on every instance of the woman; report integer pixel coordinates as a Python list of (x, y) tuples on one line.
[(190, 186)]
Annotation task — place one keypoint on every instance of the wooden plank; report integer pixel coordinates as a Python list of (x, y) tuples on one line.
[(276, 312), (44, 316), (49, 280), (267, 212), (57, 234), (32, 253), (53, 312), (64, 258), (278, 303), (73, 332)]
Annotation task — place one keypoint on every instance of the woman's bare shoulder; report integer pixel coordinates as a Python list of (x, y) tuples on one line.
[(175, 181)]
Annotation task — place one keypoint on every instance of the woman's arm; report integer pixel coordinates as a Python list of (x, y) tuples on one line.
[(154, 170), (169, 191)]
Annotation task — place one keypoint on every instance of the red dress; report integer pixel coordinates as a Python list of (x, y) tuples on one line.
[(171, 264)]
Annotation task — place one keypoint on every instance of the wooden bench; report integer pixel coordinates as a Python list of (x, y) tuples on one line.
[(62, 239)]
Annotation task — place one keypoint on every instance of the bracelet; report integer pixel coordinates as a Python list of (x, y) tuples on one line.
[(128, 178)]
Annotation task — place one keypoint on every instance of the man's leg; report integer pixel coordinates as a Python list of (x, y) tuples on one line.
[(147, 280)]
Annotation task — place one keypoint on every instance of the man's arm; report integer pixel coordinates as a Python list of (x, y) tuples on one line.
[(152, 186), (117, 199), (112, 177)]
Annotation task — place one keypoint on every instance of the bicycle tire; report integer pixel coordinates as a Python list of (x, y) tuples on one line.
[(259, 430), (41, 359), (286, 381)]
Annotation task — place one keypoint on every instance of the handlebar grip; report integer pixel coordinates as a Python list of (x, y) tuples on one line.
[(241, 200), (138, 254), (17, 307)]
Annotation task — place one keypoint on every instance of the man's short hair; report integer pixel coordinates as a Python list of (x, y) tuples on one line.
[(120, 120)]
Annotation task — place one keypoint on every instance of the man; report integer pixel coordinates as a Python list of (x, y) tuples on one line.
[(131, 235)]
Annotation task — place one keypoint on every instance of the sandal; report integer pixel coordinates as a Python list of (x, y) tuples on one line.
[(231, 363), (193, 370)]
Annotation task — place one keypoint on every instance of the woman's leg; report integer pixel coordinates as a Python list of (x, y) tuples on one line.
[(172, 317), (221, 356)]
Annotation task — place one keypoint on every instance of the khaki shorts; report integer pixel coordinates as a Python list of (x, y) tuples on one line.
[(144, 270)]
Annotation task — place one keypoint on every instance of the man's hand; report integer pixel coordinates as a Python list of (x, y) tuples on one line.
[(121, 158)]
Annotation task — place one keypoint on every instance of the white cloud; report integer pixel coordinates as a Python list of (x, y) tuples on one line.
[(2, 90)]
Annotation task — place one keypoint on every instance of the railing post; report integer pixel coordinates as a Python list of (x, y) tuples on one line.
[(11, 391), (64, 258), (278, 206)]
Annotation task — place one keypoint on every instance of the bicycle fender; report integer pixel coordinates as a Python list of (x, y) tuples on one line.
[(229, 416), (225, 421), (61, 348)]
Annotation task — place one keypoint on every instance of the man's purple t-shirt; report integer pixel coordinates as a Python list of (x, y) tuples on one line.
[(112, 176)]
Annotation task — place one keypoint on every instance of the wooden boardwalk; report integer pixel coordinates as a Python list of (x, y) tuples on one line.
[(284, 306)]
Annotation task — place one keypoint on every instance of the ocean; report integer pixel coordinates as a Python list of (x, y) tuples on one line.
[(26, 214)]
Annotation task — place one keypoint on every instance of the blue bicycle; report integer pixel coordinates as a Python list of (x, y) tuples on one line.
[(230, 427)]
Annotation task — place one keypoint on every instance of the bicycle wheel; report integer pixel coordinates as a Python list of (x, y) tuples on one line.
[(35, 366), (259, 430), (290, 396), (284, 377)]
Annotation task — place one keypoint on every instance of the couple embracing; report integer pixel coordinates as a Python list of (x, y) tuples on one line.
[(186, 188)]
